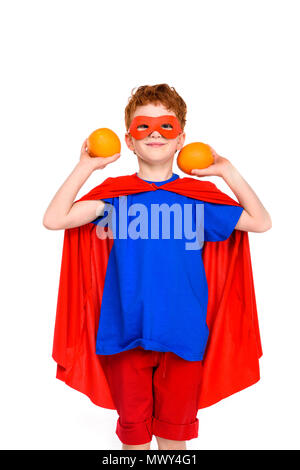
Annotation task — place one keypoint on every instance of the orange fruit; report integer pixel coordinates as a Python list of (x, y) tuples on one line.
[(103, 142), (194, 155)]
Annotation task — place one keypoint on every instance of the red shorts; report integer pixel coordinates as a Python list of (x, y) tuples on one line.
[(155, 393)]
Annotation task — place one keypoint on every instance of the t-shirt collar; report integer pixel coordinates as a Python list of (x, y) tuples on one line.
[(159, 183)]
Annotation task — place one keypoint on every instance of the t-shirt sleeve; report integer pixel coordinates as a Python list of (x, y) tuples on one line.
[(110, 201), (220, 220)]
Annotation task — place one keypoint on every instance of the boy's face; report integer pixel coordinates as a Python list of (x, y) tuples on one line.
[(142, 147)]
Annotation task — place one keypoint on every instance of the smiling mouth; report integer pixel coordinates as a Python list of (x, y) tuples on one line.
[(155, 145)]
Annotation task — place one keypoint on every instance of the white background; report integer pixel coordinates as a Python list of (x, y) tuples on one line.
[(68, 67)]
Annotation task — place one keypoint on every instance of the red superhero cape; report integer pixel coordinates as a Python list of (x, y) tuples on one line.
[(230, 362)]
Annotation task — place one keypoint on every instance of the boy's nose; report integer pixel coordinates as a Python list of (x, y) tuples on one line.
[(155, 134)]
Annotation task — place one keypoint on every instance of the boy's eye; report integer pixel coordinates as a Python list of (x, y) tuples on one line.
[(166, 126)]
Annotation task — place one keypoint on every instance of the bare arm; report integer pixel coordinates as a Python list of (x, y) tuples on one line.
[(254, 217), (62, 212)]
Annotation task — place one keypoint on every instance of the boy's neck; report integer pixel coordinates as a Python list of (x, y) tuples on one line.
[(155, 173)]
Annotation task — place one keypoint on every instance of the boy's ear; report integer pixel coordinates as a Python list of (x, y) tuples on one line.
[(128, 140), (181, 141)]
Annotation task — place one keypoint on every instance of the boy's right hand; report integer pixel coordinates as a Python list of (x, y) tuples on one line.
[(96, 162)]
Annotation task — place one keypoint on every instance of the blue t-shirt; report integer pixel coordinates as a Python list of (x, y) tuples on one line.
[(155, 290)]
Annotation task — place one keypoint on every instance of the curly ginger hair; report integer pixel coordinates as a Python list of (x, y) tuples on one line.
[(161, 93)]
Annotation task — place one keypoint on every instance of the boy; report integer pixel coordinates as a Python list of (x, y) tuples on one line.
[(162, 346)]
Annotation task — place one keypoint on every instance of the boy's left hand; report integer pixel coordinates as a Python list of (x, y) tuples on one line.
[(217, 168)]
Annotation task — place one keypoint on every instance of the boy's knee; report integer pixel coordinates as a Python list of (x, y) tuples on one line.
[(169, 444), (145, 446)]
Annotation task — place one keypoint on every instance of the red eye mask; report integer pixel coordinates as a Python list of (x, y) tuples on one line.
[(168, 126)]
